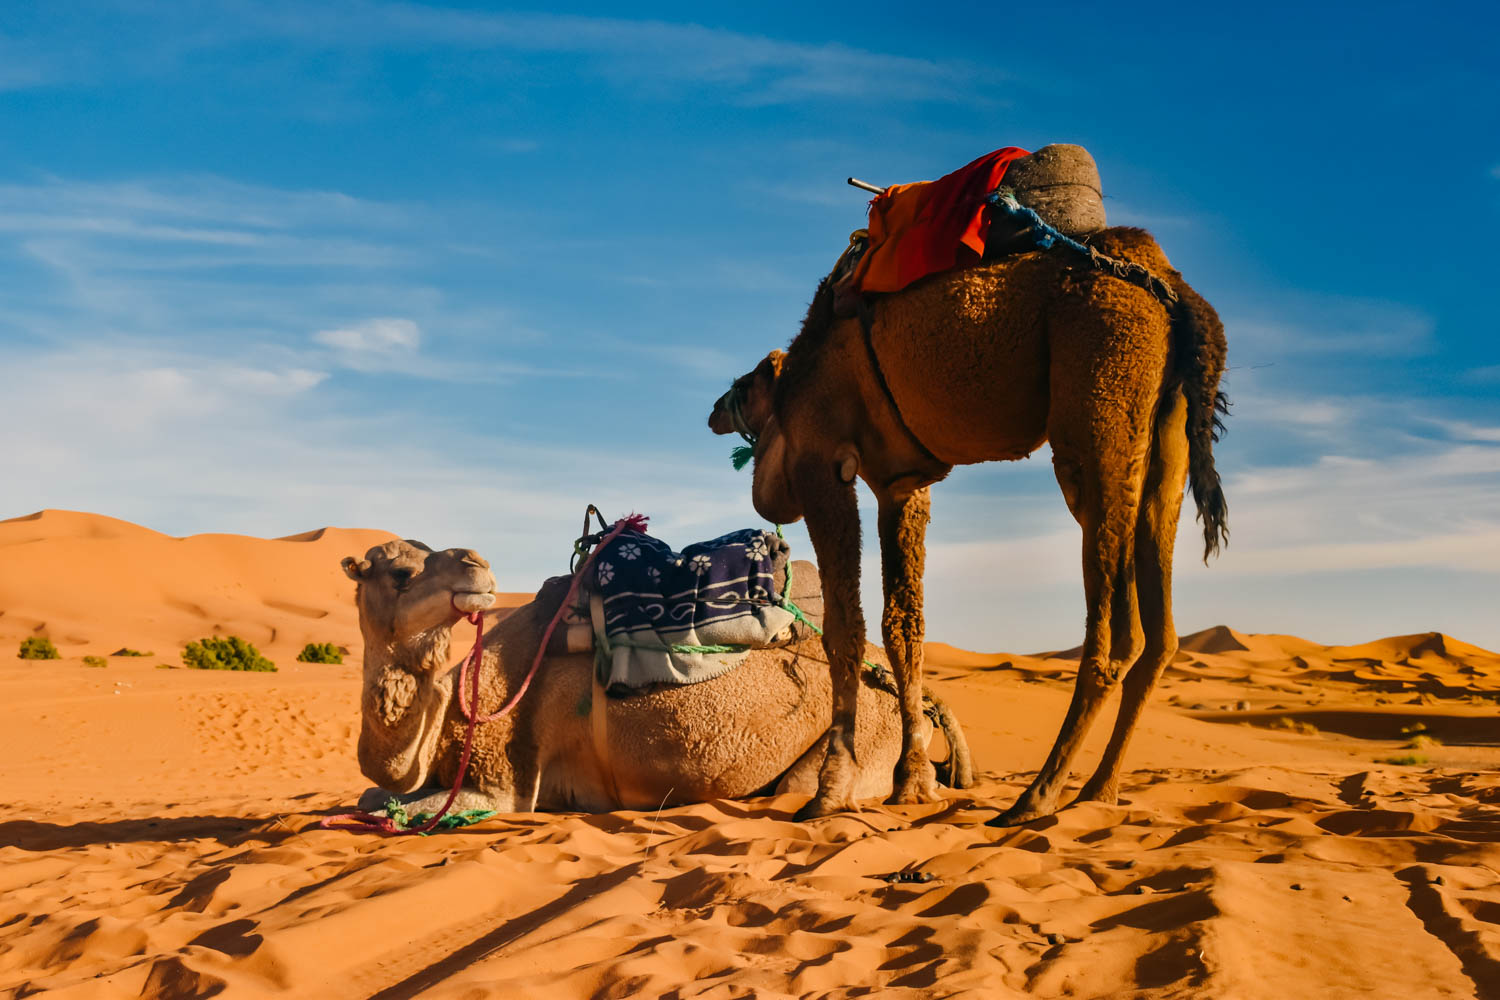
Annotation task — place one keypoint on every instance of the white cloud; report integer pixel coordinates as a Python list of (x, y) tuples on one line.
[(1463, 430), (1306, 324), (657, 57), (376, 343)]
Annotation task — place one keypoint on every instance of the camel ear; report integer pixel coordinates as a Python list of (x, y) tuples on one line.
[(355, 569), (770, 366)]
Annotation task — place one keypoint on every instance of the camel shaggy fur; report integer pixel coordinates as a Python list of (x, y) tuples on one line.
[(980, 365), (756, 729)]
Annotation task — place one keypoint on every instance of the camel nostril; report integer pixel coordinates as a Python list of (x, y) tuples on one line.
[(473, 558)]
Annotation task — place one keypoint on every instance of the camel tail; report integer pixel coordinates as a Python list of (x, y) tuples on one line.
[(1201, 353), (958, 770)]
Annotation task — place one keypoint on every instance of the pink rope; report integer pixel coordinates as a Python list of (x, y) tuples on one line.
[(365, 822), (635, 522)]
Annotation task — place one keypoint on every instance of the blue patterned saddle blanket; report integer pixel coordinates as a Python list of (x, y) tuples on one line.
[(684, 617)]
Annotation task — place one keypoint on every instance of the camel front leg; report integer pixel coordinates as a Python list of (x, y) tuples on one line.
[(833, 526), (903, 539)]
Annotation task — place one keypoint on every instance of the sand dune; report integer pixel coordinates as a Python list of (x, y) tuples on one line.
[(158, 833), (95, 584)]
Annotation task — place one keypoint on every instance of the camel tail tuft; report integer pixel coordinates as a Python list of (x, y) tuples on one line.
[(1201, 354)]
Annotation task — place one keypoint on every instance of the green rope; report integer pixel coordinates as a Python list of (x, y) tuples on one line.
[(678, 647), (397, 812), (797, 613)]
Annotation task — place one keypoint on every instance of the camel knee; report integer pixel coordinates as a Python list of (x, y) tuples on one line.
[(1101, 676), (902, 629), (1127, 649), (1158, 652)]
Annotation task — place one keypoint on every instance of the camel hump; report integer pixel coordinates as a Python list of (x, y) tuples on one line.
[(806, 590), (1060, 182)]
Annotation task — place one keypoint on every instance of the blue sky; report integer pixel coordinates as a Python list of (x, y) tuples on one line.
[(456, 270)]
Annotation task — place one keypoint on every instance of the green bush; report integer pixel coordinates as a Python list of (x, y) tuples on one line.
[(1406, 760), (127, 651), (95, 661), (320, 652), (225, 653), (37, 648)]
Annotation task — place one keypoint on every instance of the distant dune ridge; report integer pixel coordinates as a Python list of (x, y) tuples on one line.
[(93, 583), (158, 838)]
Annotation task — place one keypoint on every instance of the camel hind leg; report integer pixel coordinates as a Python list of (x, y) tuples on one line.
[(1156, 533), (1112, 640), (1108, 361)]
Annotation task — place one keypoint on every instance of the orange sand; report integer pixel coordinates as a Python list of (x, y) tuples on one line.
[(157, 829)]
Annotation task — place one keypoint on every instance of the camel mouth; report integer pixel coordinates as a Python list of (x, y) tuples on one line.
[(470, 602)]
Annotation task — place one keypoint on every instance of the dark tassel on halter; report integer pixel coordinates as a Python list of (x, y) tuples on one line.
[(741, 456)]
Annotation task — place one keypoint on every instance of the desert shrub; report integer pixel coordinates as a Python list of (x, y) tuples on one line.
[(1422, 742), (127, 651), (225, 653), (37, 648), (320, 652), (1407, 760), (95, 661), (1295, 726)]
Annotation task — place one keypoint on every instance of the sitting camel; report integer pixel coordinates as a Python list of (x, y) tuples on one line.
[(980, 365), (755, 730)]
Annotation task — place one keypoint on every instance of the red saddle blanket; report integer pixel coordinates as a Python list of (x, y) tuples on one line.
[(930, 226)]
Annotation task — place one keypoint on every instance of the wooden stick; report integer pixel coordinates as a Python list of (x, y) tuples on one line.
[(865, 185)]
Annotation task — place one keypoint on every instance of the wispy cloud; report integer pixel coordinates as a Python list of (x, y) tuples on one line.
[(373, 344), (187, 443), (1307, 324), (640, 55)]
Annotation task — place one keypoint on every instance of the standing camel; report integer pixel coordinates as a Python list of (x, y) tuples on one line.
[(980, 365)]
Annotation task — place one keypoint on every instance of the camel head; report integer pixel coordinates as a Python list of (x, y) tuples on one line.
[(406, 591), (748, 409)]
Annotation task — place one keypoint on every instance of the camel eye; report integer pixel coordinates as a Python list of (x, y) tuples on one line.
[(402, 577)]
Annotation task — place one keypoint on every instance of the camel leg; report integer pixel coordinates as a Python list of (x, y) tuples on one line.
[(903, 531), (833, 526), (1106, 495), (1156, 532)]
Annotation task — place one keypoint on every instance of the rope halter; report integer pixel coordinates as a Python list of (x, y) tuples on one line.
[(734, 402)]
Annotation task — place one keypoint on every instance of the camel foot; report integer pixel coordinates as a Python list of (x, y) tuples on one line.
[(916, 786), (817, 807), (1107, 793), (1025, 810)]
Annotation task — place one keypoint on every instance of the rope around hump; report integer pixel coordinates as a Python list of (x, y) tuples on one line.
[(1046, 236)]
